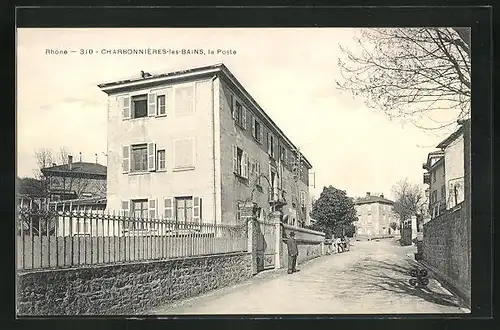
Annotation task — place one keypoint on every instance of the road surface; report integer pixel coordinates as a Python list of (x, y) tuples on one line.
[(371, 278)]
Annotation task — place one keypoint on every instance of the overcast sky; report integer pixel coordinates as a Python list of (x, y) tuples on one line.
[(290, 72)]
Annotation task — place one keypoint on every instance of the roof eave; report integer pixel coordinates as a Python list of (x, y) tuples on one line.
[(109, 88), (453, 136)]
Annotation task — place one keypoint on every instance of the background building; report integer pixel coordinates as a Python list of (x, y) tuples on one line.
[(194, 145), (375, 216), (75, 180), (435, 178)]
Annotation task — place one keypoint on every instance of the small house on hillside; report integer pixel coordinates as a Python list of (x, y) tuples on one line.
[(77, 180)]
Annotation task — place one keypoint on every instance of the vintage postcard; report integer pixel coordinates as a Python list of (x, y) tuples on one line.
[(172, 171)]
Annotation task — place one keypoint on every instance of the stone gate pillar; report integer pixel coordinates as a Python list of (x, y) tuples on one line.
[(247, 215), (276, 217)]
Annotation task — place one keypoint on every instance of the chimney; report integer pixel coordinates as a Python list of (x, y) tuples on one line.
[(80, 157), (96, 159), (70, 161), (368, 194)]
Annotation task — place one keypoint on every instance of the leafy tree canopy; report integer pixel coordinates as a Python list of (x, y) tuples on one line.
[(334, 212)]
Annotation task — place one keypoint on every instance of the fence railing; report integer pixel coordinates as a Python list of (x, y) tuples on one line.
[(60, 239)]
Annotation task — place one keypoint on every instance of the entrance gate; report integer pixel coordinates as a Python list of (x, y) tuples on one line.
[(266, 245)]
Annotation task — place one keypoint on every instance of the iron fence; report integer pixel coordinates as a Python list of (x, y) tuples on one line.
[(50, 238)]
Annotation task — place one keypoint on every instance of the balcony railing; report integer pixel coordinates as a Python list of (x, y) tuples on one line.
[(277, 195)]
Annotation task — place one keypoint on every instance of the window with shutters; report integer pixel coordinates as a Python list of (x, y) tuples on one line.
[(271, 141), (184, 154), (239, 112), (139, 213), (240, 162), (161, 161), (139, 158), (161, 107), (139, 106), (257, 130), (283, 153), (184, 209)]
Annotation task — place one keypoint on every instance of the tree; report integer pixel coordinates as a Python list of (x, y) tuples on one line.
[(421, 75), (334, 212), (393, 225), (44, 158), (409, 200)]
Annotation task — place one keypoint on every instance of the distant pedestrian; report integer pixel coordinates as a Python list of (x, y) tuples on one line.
[(293, 251)]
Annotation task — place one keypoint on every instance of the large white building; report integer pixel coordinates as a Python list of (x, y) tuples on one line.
[(193, 145)]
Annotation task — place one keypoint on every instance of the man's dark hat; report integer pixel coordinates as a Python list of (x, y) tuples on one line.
[(292, 233)]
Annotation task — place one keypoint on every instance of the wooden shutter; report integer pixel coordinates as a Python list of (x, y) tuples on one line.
[(251, 164), (169, 209), (275, 147), (125, 105), (244, 117), (197, 209), (253, 127), (244, 165), (151, 104), (126, 208), (261, 133), (152, 209), (268, 143), (126, 159), (151, 156), (235, 159), (231, 106)]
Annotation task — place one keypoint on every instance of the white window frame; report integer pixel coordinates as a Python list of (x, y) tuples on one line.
[(160, 168), (158, 105), (131, 161)]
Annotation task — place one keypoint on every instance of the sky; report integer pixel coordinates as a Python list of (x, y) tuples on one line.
[(290, 72)]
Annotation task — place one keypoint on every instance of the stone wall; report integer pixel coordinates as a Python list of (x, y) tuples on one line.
[(446, 250), (310, 244), (126, 288)]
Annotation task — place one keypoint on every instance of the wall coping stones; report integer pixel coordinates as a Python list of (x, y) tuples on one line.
[(128, 263)]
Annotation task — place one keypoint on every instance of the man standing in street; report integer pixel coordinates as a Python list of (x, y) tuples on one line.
[(293, 251)]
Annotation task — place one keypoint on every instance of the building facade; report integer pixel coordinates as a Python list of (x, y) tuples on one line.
[(445, 174), (375, 216), (435, 177), (75, 180), (453, 148), (193, 146)]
